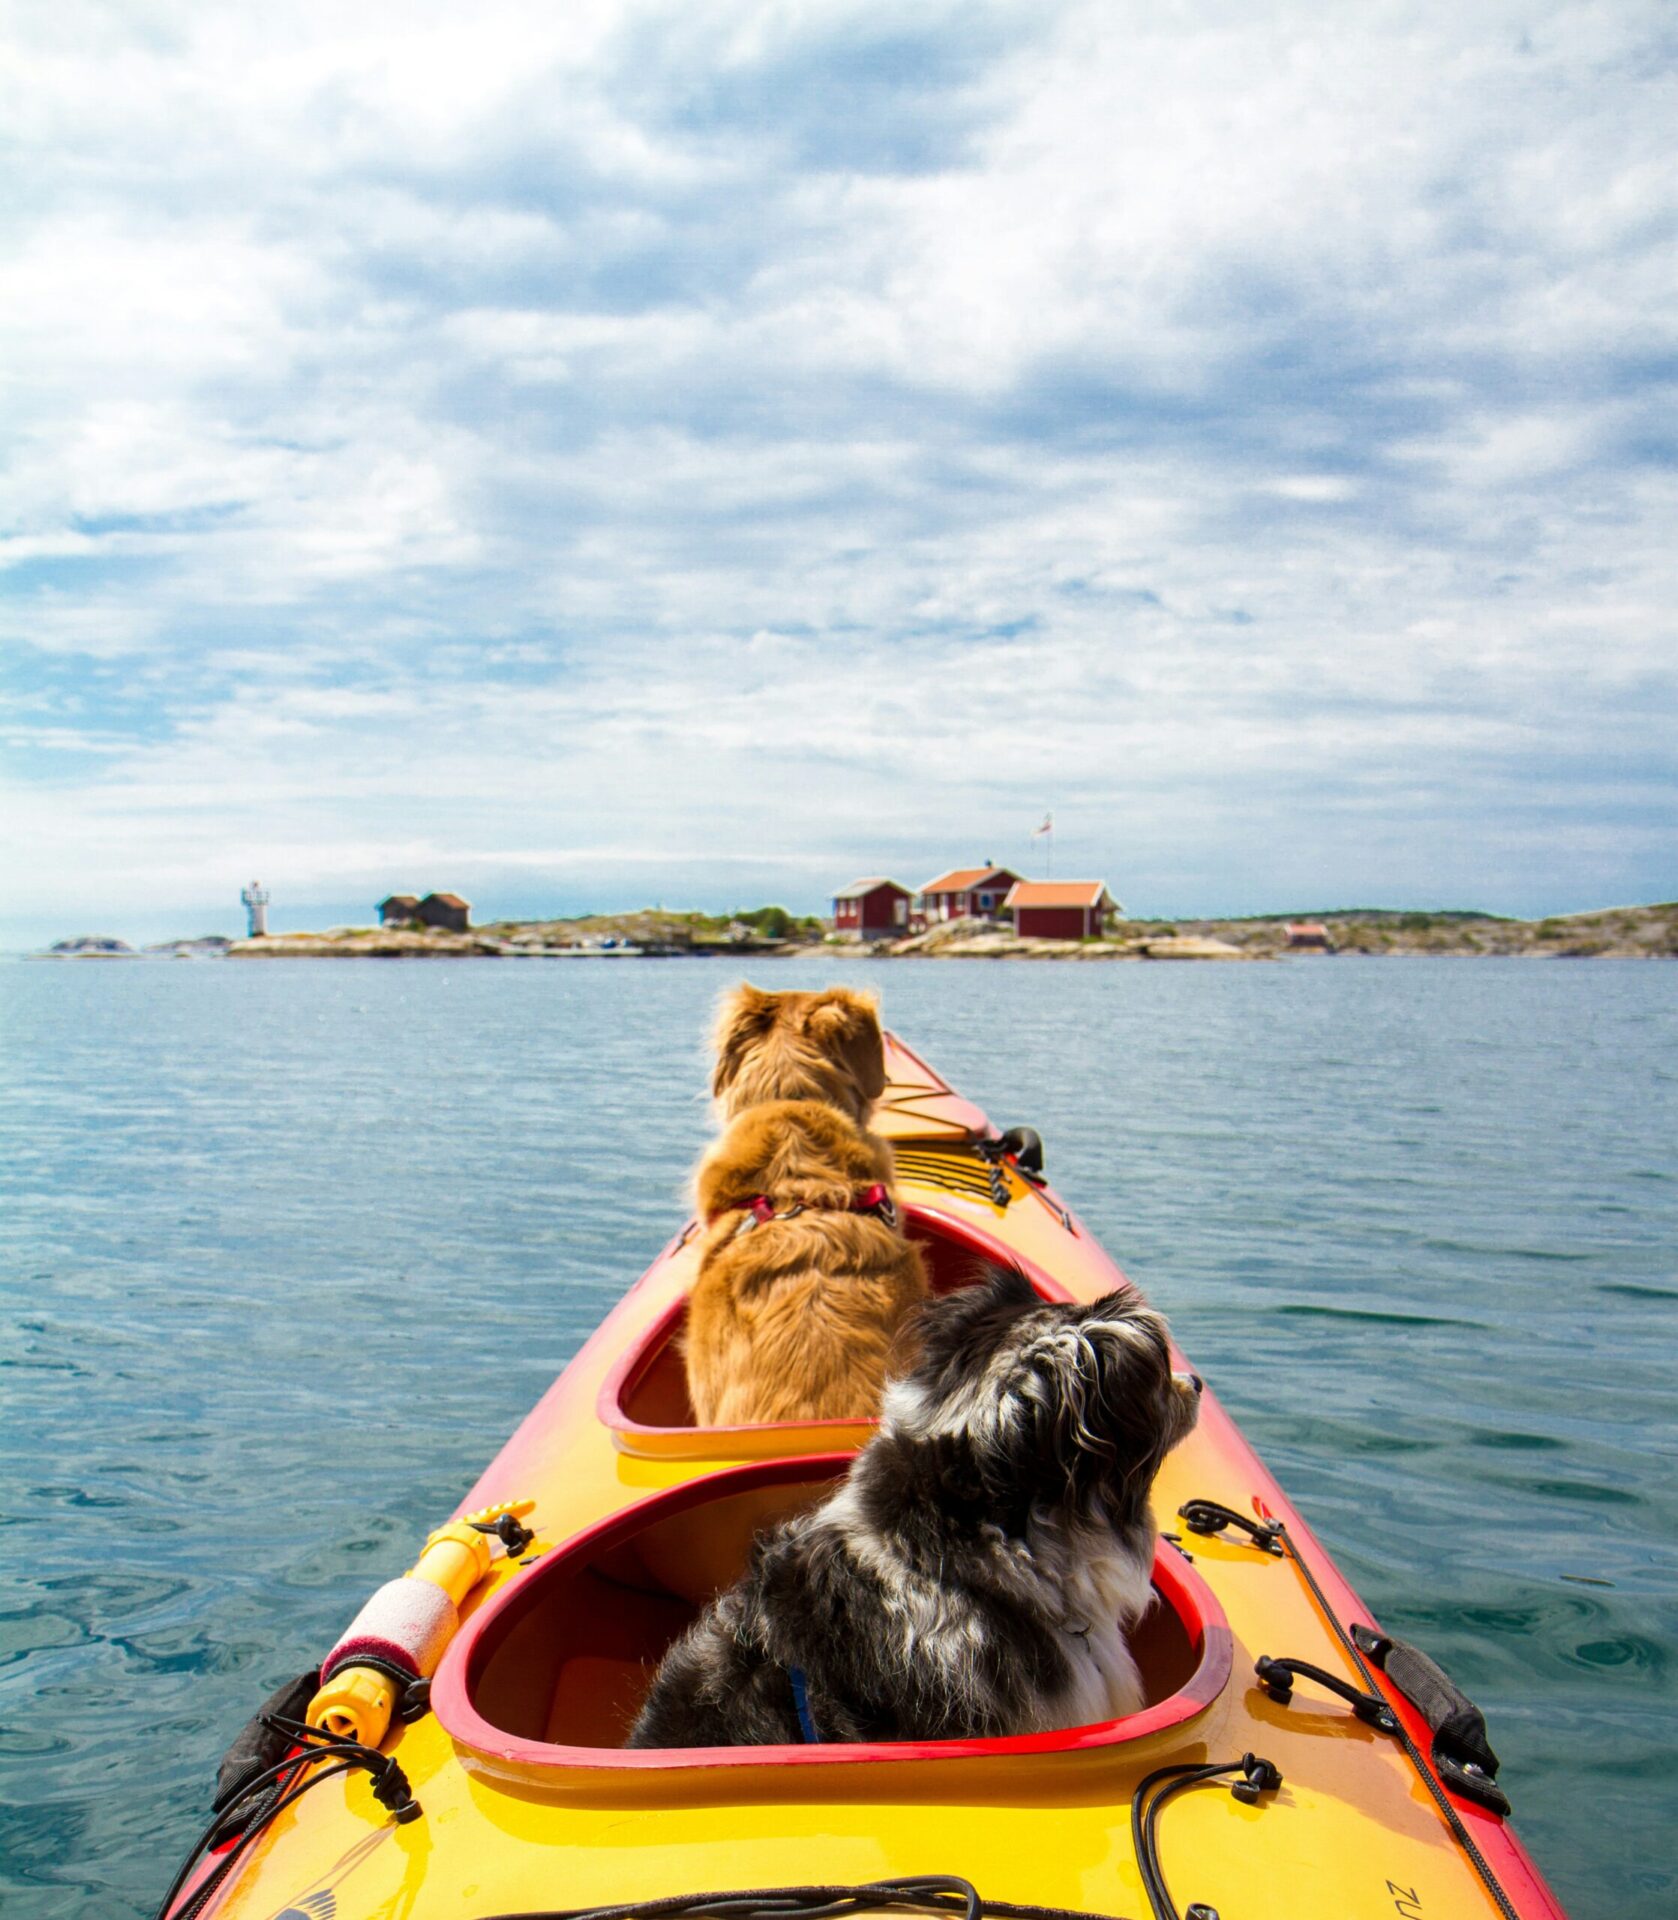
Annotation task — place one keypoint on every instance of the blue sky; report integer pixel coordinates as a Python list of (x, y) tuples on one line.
[(585, 455)]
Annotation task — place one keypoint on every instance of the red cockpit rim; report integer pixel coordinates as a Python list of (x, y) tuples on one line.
[(630, 1369), (1177, 1586)]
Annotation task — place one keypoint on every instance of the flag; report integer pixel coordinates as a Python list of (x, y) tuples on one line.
[(1048, 826)]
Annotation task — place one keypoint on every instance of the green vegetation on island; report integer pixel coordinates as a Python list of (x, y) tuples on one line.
[(648, 931), (1622, 933)]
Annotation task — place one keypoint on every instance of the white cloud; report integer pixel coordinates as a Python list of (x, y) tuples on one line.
[(801, 436)]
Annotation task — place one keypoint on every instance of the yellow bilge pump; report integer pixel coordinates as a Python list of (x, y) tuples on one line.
[(381, 1666), (400, 1634)]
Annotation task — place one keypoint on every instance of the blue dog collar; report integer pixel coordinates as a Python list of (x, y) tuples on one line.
[(801, 1701)]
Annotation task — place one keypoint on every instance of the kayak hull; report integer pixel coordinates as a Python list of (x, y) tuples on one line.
[(530, 1801)]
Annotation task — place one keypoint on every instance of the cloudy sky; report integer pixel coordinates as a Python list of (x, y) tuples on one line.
[(588, 454)]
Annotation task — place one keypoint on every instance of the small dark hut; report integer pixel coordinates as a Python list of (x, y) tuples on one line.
[(445, 910)]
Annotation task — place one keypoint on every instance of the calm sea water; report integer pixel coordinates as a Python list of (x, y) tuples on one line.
[(287, 1248)]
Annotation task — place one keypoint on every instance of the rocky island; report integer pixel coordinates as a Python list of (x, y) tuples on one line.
[(649, 932), (90, 946), (1609, 933), (1613, 933)]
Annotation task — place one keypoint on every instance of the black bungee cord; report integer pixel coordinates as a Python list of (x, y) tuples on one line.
[(269, 1797), (938, 1893), (941, 1893), (1258, 1776), (1210, 1516)]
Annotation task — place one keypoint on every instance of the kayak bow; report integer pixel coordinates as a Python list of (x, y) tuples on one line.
[(1290, 1760)]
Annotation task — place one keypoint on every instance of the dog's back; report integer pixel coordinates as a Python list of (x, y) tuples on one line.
[(795, 1317), (977, 1572), (815, 1643)]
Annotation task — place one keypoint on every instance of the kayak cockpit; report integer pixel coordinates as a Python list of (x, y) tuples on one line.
[(549, 1675), (644, 1399)]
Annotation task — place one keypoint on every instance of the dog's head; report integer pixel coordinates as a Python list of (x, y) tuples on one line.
[(1055, 1403), (799, 1046)]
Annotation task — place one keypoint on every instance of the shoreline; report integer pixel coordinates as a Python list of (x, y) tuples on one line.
[(1612, 933), (1631, 933)]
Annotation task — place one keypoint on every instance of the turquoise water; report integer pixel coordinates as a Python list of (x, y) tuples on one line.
[(287, 1249)]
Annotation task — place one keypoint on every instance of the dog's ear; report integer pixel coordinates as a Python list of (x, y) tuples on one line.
[(1134, 1388), (1126, 1304), (846, 1025), (744, 1017)]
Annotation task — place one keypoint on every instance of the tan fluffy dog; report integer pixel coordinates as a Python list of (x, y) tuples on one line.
[(793, 1317)]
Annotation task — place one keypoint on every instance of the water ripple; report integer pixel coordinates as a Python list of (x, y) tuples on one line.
[(1416, 1222)]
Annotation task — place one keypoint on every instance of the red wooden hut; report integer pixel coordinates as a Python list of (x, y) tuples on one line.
[(1309, 936), (1060, 909), (965, 893), (872, 909)]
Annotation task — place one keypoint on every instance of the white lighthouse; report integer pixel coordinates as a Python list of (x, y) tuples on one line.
[(255, 897)]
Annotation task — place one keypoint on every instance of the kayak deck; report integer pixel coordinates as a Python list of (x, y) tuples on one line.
[(530, 1802)]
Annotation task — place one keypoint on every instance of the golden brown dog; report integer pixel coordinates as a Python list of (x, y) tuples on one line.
[(805, 1276)]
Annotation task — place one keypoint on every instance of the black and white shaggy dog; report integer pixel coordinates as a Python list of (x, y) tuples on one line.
[(977, 1571)]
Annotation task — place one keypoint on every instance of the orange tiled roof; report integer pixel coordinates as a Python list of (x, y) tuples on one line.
[(961, 879), (1056, 893)]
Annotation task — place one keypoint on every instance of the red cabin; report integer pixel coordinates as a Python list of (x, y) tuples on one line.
[(1308, 936), (1060, 909), (872, 909), (966, 893)]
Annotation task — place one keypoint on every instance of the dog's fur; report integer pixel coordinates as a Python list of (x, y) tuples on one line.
[(799, 1046), (977, 1572), (795, 1319)]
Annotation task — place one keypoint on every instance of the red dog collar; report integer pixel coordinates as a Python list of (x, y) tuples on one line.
[(760, 1209)]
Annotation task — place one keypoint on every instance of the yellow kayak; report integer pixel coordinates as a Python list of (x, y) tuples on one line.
[(1290, 1760)]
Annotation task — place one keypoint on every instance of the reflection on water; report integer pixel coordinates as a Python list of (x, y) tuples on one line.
[(287, 1249)]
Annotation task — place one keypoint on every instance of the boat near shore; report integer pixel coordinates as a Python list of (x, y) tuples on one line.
[(1290, 1761)]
